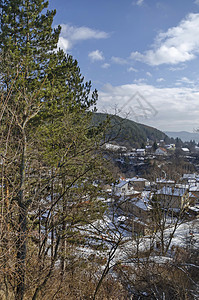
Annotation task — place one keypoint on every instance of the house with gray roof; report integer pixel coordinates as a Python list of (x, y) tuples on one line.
[(175, 198)]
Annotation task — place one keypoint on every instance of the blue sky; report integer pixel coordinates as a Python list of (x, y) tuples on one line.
[(141, 55)]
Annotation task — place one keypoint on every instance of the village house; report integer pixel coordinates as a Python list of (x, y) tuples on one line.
[(193, 211), (190, 179), (149, 148), (194, 190), (139, 207), (121, 188), (175, 198), (185, 151), (161, 151), (164, 183), (140, 211), (140, 152), (196, 149), (124, 189), (139, 184), (170, 147)]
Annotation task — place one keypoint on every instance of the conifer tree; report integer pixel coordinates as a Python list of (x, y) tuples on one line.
[(49, 150), (26, 42)]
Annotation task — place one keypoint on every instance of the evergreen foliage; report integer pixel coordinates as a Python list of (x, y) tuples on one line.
[(50, 152), (127, 132)]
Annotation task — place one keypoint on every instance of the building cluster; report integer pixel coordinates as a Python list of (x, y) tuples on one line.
[(158, 149), (140, 200)]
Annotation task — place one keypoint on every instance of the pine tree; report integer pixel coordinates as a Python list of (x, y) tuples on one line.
[(71, 146), (26, 42), (49, 150)]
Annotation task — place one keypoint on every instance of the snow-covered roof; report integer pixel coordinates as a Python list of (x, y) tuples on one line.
[(141, 203), (194, 188), (122, 218), (121, 183), (185, 149), (172, 191), (191, 180), (164, 181), (188, 176), (137, 179), (133, 192), (181, 186), (140, 150), (194, 208)]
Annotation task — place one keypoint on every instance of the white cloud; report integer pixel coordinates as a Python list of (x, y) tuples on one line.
[(160, 79), (96, 55), (175, 108), (137, 56), (177, 68), (64, 44), (197, 2), (179, 44), (105, 66), (71, 35), (140, 80), (185, 80), (131, 69), (119, 60), (149, 74), (139, 2)]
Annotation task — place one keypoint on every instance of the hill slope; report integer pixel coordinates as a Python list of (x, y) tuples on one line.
[(127, 132)]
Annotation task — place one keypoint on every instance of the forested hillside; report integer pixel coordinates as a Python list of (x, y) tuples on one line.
[(128, 132)]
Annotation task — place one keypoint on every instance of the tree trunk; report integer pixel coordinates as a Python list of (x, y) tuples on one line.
[(63, 246), (22, 228)]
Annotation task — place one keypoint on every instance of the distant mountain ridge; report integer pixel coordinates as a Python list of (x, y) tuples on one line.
[(129, 133), (185, 136)]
